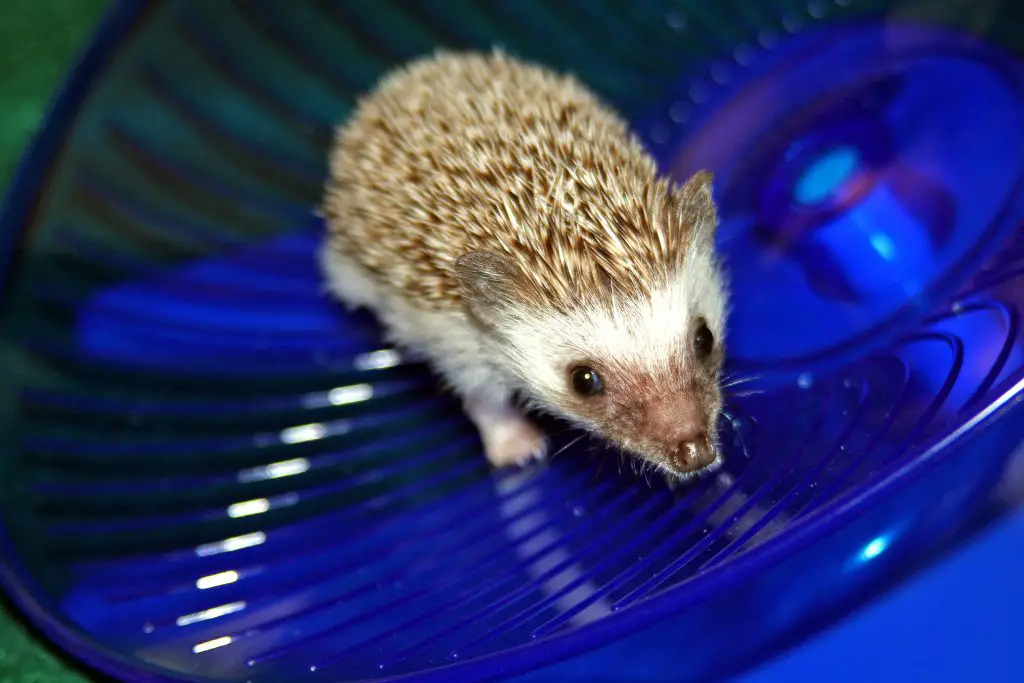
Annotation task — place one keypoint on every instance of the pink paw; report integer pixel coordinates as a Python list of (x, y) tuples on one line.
[(513, 442)]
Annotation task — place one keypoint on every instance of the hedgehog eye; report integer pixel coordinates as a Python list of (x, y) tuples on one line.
[(585, 381), (703, 340)]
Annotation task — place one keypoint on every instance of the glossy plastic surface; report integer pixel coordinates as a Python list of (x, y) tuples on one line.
[(211, 473), (959, 619)]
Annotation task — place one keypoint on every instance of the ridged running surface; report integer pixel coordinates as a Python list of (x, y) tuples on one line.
[(219, 473)]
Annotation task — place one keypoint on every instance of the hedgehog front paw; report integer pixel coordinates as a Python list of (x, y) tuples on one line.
[(509, 439), (513, 442)]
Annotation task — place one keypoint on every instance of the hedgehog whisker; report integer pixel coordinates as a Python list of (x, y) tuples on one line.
[(732, 382), (743, 394), (567, 446), (738, 432), (743, 443), (646, 469)]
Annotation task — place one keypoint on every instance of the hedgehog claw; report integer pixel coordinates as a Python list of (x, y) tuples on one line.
[(513, 443), (538, 454)]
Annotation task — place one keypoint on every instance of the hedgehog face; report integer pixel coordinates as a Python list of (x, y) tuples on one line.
[(664, 411), (644, 375), (643, 372)]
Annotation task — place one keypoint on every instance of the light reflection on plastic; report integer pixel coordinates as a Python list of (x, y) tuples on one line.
[(217, 580), (883, 244), (212, 613), (377, 360), (873, 549), (355, 393), (230, 545), (826, 175), (275, 470), (984, 335), (212, 644), (303, 433), (248, 508)]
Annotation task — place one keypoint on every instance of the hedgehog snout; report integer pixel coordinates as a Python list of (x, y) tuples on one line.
[(692, 452), (680, 428)]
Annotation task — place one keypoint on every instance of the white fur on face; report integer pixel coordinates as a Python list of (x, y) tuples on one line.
[(647, 333)]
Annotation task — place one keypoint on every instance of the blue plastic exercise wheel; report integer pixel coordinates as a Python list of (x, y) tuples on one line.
[(210, 472)]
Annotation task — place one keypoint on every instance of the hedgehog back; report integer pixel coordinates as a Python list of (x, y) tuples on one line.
[(463, 152)]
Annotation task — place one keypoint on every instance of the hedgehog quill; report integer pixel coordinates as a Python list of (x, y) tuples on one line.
[(505, 226)]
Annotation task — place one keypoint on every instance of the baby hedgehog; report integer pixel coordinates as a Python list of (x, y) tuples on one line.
[(505, 226)]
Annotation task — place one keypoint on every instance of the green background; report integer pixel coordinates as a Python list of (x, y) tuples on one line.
[(39, 41)]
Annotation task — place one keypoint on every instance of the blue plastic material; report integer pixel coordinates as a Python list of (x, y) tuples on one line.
[(210, 472), (960, 619)]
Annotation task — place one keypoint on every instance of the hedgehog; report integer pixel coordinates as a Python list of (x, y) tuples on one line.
[(506, 227)]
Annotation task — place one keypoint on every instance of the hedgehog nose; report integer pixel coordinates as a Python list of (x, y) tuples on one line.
[(692, 452), (680, 427)]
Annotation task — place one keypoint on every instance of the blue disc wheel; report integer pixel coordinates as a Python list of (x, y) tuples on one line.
[(212, 473)]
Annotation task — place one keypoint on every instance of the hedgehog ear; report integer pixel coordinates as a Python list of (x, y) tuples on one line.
[(697, 204), (491, 284)]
